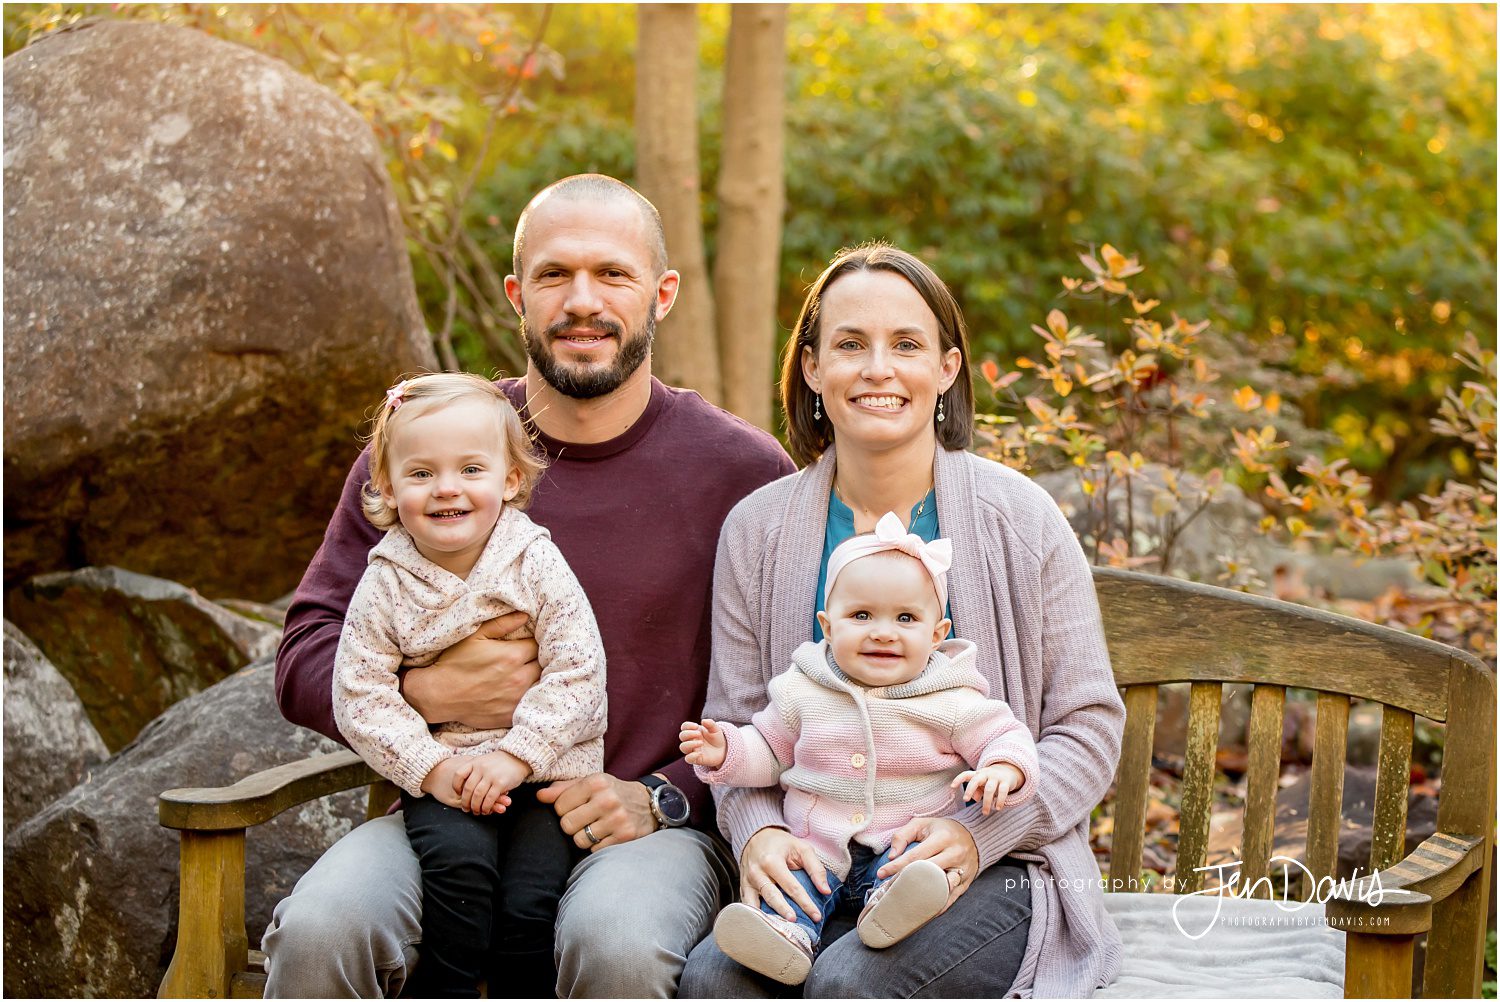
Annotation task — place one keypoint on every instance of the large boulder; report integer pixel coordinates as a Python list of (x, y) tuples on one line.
[(206, 288), (49, 741), (132, 645), (91, 882), (1356, 823), (1228, 523)]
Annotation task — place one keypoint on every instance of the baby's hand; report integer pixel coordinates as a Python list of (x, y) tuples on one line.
[(703, 744), (493, 776), (992, 784), (446, 779)]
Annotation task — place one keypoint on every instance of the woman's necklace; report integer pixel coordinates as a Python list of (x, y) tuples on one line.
[(920, 508)]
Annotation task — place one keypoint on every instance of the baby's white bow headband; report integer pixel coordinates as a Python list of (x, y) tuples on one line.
[(890, 534)]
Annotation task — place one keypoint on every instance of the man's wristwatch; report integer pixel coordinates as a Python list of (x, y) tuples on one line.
[(669, 805)]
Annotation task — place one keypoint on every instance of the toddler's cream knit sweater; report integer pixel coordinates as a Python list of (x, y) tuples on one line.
[(408, 610)]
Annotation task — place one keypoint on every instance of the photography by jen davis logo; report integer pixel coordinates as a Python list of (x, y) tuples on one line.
[(1367, 892)]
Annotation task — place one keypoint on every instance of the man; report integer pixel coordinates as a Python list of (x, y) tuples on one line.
[(640, 479)]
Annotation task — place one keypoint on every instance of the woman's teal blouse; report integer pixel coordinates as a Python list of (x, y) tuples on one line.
[(841, 527)]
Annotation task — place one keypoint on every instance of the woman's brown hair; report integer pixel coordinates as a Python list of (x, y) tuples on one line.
[(808, 436)]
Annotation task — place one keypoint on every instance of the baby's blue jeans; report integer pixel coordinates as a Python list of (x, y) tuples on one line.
[(853, 889)]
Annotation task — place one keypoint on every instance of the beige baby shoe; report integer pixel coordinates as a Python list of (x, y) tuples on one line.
[(765, 943), (903, 904)]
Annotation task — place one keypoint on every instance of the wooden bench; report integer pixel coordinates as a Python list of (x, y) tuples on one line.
[(1160, 631)]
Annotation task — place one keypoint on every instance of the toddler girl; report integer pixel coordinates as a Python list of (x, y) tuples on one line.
[(868, 729), (450, 470)]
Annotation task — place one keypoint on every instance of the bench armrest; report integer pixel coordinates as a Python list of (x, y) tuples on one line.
[(260, 797), (1385, 912), (212, 948), (1398, 900)]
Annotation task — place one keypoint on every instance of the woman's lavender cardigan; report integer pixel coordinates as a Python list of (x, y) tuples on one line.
[(1021, 589)]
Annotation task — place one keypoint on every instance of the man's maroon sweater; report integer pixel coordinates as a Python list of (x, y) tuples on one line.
[(638, 520)]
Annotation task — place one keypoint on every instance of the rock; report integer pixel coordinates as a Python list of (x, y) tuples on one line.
[(1356, 825), (206, 288), (1364, 733), (1234, 715), (1298, 731), (1228, 525), (1356, 830), (261, 612), (1169, 738), (49, 741), (91, 882), (1428, 740), (1342, 575), (132, 645)]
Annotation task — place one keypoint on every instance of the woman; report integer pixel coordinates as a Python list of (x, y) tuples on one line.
[(878, 400)]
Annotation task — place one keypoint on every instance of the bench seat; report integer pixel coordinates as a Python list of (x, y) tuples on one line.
[(1254, 949)]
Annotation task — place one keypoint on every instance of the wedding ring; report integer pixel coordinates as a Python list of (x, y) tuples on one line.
[(593, 839)]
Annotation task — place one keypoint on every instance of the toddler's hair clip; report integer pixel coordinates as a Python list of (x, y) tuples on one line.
[(394, 397)]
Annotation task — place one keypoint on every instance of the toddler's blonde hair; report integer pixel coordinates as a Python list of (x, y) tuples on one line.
[(441, 389)]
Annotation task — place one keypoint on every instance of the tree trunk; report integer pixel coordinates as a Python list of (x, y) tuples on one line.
[(666, 144), (752, 195)]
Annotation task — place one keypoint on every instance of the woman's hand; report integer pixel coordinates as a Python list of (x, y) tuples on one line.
[(766, 873), (944, 841)]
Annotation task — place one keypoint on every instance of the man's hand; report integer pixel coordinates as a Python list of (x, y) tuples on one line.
[(491, 777), (990, 785), (611, 810), (703, 744), (479, 680)]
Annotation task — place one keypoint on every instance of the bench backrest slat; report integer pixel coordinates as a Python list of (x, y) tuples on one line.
[(1325, 801), (1392, 780), (1131, 786), (1199, 768), (1267, 704)]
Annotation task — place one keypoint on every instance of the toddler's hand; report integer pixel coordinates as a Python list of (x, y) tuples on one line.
[(493, 776), (446, 779), (991, 785), (703, 744)]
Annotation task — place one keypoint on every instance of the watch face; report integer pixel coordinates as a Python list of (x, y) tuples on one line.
[(672, 803)]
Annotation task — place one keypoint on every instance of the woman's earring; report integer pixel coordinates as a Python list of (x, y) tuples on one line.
[(817, 407), (940, 410)]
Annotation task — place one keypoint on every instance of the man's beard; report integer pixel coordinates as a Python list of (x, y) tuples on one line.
[(582, 381)]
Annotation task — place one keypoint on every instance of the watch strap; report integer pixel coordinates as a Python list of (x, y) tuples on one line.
[(652, 783)]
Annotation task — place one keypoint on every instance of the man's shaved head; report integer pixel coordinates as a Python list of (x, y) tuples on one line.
[(595, 188)]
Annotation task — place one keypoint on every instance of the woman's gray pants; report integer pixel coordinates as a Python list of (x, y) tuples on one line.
[(352, 926), (973, 950)]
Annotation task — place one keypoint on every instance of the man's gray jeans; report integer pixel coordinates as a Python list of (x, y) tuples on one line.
[(352, 926)]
